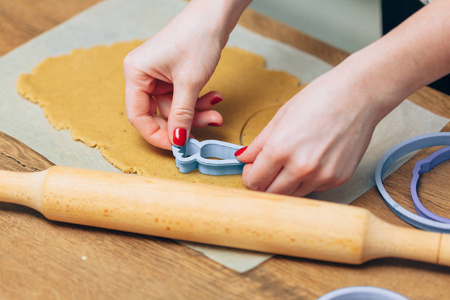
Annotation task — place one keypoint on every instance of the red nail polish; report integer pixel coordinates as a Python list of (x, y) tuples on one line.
[(216, 100), (214, 124), (240, 151), (179, 136)]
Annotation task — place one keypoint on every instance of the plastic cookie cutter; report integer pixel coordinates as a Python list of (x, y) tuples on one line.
[(210, 157), (362, 292), (422, 166), (413, 144)]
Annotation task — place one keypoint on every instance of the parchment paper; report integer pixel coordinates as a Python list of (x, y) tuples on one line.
[(120, 20)]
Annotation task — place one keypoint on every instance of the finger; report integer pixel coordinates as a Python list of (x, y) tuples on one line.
[(249, 153), (164, 103), (304, 189), (204, 103), (332, 176), (262, 172), (182, 113), (207, 101), (138, 87), (141, 109), (157, 138), (285, 183), (152, 128), (328, 186), (247, 168), (207, 118), (162, 87), (201, 118)]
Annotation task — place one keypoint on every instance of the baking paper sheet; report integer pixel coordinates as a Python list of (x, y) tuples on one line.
[(120, 20)]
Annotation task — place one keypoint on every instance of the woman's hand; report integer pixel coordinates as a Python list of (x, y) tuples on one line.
[(169, 70), (318, 138), (314, 142)]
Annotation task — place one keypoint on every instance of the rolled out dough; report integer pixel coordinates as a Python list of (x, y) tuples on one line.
[(84, 93)]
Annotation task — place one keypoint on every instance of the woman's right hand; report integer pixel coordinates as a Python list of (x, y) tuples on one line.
[(168, 71)]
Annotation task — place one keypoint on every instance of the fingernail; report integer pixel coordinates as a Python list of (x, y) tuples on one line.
[(216, 100), (214, 124), (240, 151), (179, 136)]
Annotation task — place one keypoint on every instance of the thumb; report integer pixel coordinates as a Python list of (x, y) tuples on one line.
[(182, 113)]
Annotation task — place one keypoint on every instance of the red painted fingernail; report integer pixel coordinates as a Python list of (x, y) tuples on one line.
[(214, 124), (216, 100), (179, 136), (240, 151)]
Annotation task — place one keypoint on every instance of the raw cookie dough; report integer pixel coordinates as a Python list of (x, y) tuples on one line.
[(253, 126), (84, 93)]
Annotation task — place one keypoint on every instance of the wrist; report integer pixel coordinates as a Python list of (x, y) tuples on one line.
[(218, 17)]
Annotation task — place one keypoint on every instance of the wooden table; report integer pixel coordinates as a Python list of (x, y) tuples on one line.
[(49, 260)]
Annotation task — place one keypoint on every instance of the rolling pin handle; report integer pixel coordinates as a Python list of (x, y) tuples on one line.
[(22, 188), (444, 250), (386, 240)]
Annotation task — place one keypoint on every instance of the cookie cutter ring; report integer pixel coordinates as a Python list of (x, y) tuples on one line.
[(210, 157), (404, 148), (422, 166), (362, 292)]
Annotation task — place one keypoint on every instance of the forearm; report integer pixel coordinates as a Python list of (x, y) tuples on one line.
[(411, 56)]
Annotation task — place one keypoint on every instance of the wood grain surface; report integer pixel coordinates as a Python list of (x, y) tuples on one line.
[(40, 259)]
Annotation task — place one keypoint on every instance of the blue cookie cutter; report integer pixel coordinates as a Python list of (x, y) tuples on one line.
[(362, 292), (404, 148), (422, 166), (210, 157)]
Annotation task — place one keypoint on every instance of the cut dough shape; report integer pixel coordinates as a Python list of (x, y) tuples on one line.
[(84, 93), (253, 125)]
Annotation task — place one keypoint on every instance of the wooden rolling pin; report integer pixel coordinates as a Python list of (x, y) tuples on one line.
[(212, 215)]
